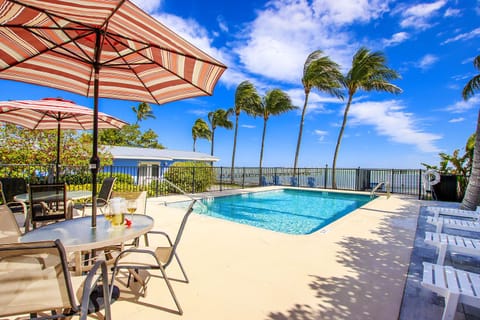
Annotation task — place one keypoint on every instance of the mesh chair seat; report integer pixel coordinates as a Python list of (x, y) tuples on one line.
[(35, 279), (103, 196)]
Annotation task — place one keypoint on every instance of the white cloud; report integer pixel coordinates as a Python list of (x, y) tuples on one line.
[(277, 50), (149, 6), (222, 24), (316, 101), (464, 106), (455, 120), (396, 38), (320, 134), (342, 12), (200, 37), (451, 12), (389, 119), (464, 36), (418, 16), (248, 126), (198, 112), (427, 61)]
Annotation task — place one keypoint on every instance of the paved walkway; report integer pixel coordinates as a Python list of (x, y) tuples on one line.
[(420, 303), (355, 268)]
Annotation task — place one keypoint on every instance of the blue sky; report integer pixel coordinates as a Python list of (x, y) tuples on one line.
[(430, 43)]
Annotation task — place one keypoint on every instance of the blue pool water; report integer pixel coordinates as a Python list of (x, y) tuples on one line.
[(287, 210)]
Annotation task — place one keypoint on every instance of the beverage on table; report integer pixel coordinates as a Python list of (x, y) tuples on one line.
[(117, 207), (117, 219)]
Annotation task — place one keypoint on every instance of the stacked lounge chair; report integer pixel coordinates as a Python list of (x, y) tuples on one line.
[(455, 285)]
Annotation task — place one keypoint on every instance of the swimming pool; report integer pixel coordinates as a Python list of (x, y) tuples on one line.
[(286, 210)]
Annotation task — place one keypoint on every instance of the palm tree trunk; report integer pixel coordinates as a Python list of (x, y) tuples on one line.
[(340, 135), (234, 148), (213, 142), (472, 194), (261, 153), (194, 142), (300, 132)]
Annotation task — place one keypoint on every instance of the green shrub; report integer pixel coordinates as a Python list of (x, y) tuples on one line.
[(190, 177)]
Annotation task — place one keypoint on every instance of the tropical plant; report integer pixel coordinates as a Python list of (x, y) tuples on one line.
[(370, 73), (323, 74), (200, 130), (143, 111), (456, 164), (246, 100), (129, 136), (275, 102), (472, 194), (219, 118)]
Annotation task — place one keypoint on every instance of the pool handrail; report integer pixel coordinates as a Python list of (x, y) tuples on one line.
[(184, 193)]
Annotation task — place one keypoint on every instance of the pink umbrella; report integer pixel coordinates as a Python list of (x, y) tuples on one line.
[(101, 48), (54, 113)]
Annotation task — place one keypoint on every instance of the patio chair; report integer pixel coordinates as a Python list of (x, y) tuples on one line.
[(9, 230), (459, 224), (149, 258), (311, 182), (456, 286), (9, 188), (276, 180), (35, 280), (294, 181), (264, 181), (457, 244), (48, 203), (103, 196), (455, 212)]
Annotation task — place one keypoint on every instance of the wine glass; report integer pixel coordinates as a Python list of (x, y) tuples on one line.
[(131, 206)]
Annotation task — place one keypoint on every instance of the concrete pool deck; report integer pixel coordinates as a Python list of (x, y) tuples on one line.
[(354, 268)]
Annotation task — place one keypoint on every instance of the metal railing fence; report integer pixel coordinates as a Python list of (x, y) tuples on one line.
[(207, 178)]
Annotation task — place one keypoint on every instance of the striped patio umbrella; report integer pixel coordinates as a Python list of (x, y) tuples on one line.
[(54, 113), (101, 48)]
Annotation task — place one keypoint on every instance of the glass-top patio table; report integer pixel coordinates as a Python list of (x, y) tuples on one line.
[(71, 195), (77, 235)]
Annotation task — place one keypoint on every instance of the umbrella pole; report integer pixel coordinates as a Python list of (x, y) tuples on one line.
[(95, 160), (57, 163)]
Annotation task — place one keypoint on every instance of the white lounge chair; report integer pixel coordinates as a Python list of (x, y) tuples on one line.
[(467, 225), (446, 242), (454, 285), (455, 212)]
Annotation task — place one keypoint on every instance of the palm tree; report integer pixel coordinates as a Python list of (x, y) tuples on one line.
[(369, 73), (274, 102), (200, 130), (219, 118), (472, 194), (246, 99), (323, 74), (143, 112)]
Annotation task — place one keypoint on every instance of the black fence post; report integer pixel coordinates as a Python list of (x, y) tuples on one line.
[(221, 179), (243, 178), (419, 184), (326, 177)]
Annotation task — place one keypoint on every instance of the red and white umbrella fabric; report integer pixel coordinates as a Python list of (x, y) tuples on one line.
[(54, 113), (101, 48)]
